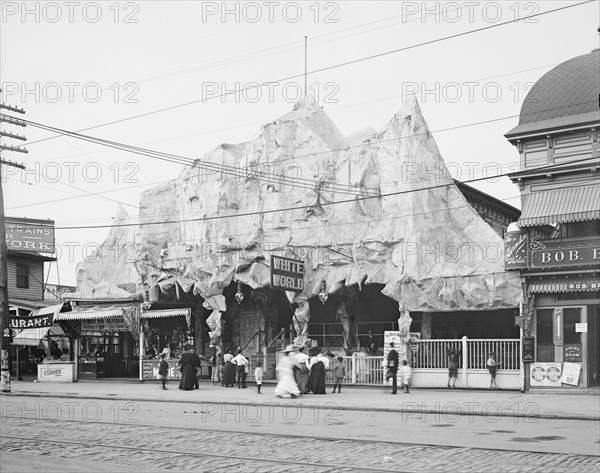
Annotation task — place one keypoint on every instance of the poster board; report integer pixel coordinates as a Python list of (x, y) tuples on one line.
[(150, 369), (570, 373), (545, 374), (389, 337), (528, 349)]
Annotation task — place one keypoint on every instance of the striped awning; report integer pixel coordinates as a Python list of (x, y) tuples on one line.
[(565, 286), (89, 314), (156, 314), (573, 204)]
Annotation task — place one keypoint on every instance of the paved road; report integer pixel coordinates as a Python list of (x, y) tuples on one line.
[(210, 437)]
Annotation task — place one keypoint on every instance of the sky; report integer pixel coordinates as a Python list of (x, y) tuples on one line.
[(182, 77)]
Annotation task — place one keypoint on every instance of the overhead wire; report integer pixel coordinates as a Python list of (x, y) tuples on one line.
[(327, 68), (322, 204), (237, 172)]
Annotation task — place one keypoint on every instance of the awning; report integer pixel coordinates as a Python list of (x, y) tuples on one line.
[(565, 286), (89, 314), (574, 204), (155, 314), (30, 336)]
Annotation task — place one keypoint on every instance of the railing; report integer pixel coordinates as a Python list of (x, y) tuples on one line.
[(508, 353), (280, 334), (432, 355)]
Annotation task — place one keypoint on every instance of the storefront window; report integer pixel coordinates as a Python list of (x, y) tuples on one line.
[(572, 316), (545, 335)]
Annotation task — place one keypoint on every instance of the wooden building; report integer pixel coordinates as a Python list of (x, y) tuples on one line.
[(558, 143)]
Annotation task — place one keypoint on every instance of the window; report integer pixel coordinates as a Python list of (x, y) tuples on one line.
[(23, 276), (545, 335)]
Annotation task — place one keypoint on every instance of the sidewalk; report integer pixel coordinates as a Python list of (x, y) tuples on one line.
[(546, 405)]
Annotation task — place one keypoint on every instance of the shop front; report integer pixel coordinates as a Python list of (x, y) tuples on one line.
[(567, 331), (561, 321), (164, 331)]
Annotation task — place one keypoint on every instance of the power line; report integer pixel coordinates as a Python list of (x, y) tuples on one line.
[(289, 209), (229, 170), (335, 66)]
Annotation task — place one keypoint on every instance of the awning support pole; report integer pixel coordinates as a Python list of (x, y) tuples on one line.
[(465, 361), (140, 351)]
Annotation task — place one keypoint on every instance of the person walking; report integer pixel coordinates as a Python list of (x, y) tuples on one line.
[(392, 367), (286, 383), (163, 370), (187, 365), (258, 375), (197, 365), (302, 372), (317, 365), (339, 373), (405, 375), (217, 364), (453, 357), (228, 369), (492, 366), (241, 362)]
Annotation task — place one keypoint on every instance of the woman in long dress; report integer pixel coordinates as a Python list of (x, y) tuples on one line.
[(317, 365), (228, 370), (286, 383), (188, 364)]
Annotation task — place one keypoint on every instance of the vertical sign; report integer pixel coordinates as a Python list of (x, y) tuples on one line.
[(528, 349), (516, 250)]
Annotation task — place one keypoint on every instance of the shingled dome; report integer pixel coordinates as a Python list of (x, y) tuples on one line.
[(566, 95)]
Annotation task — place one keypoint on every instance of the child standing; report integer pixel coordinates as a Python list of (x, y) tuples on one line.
[(339, 373), (492, 366), (405, 374), (258, 375), (163, 370)]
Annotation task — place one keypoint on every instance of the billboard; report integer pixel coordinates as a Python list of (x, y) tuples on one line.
[(29, 235)]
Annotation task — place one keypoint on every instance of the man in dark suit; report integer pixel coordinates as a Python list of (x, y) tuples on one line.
[(392, 366)]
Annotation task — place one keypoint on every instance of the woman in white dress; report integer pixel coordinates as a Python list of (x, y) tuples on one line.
[(286, 383)]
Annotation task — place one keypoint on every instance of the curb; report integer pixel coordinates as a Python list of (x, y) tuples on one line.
[(445, 412)]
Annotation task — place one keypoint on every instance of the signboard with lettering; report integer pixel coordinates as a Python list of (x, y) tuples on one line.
[(111, 324), (572, 352), (287, 274), (566, 256), (581, 327), (570, 374), (150, 369), (415, 338), (29, 235), (516, 250), (34, 321), (528, 349), (545, 374), (56, 372)]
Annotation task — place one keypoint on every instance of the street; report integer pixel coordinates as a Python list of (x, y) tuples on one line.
[(210, 436)]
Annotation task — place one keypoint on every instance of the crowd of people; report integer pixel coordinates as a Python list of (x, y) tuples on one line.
[(298, 373)]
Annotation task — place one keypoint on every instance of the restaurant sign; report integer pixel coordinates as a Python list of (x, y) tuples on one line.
[(287, 274), (34, 321), (29, 235)]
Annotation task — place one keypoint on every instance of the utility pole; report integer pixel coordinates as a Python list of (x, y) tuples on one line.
[(4, 317)]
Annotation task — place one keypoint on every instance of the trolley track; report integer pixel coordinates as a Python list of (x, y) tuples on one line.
[(161, 447)]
